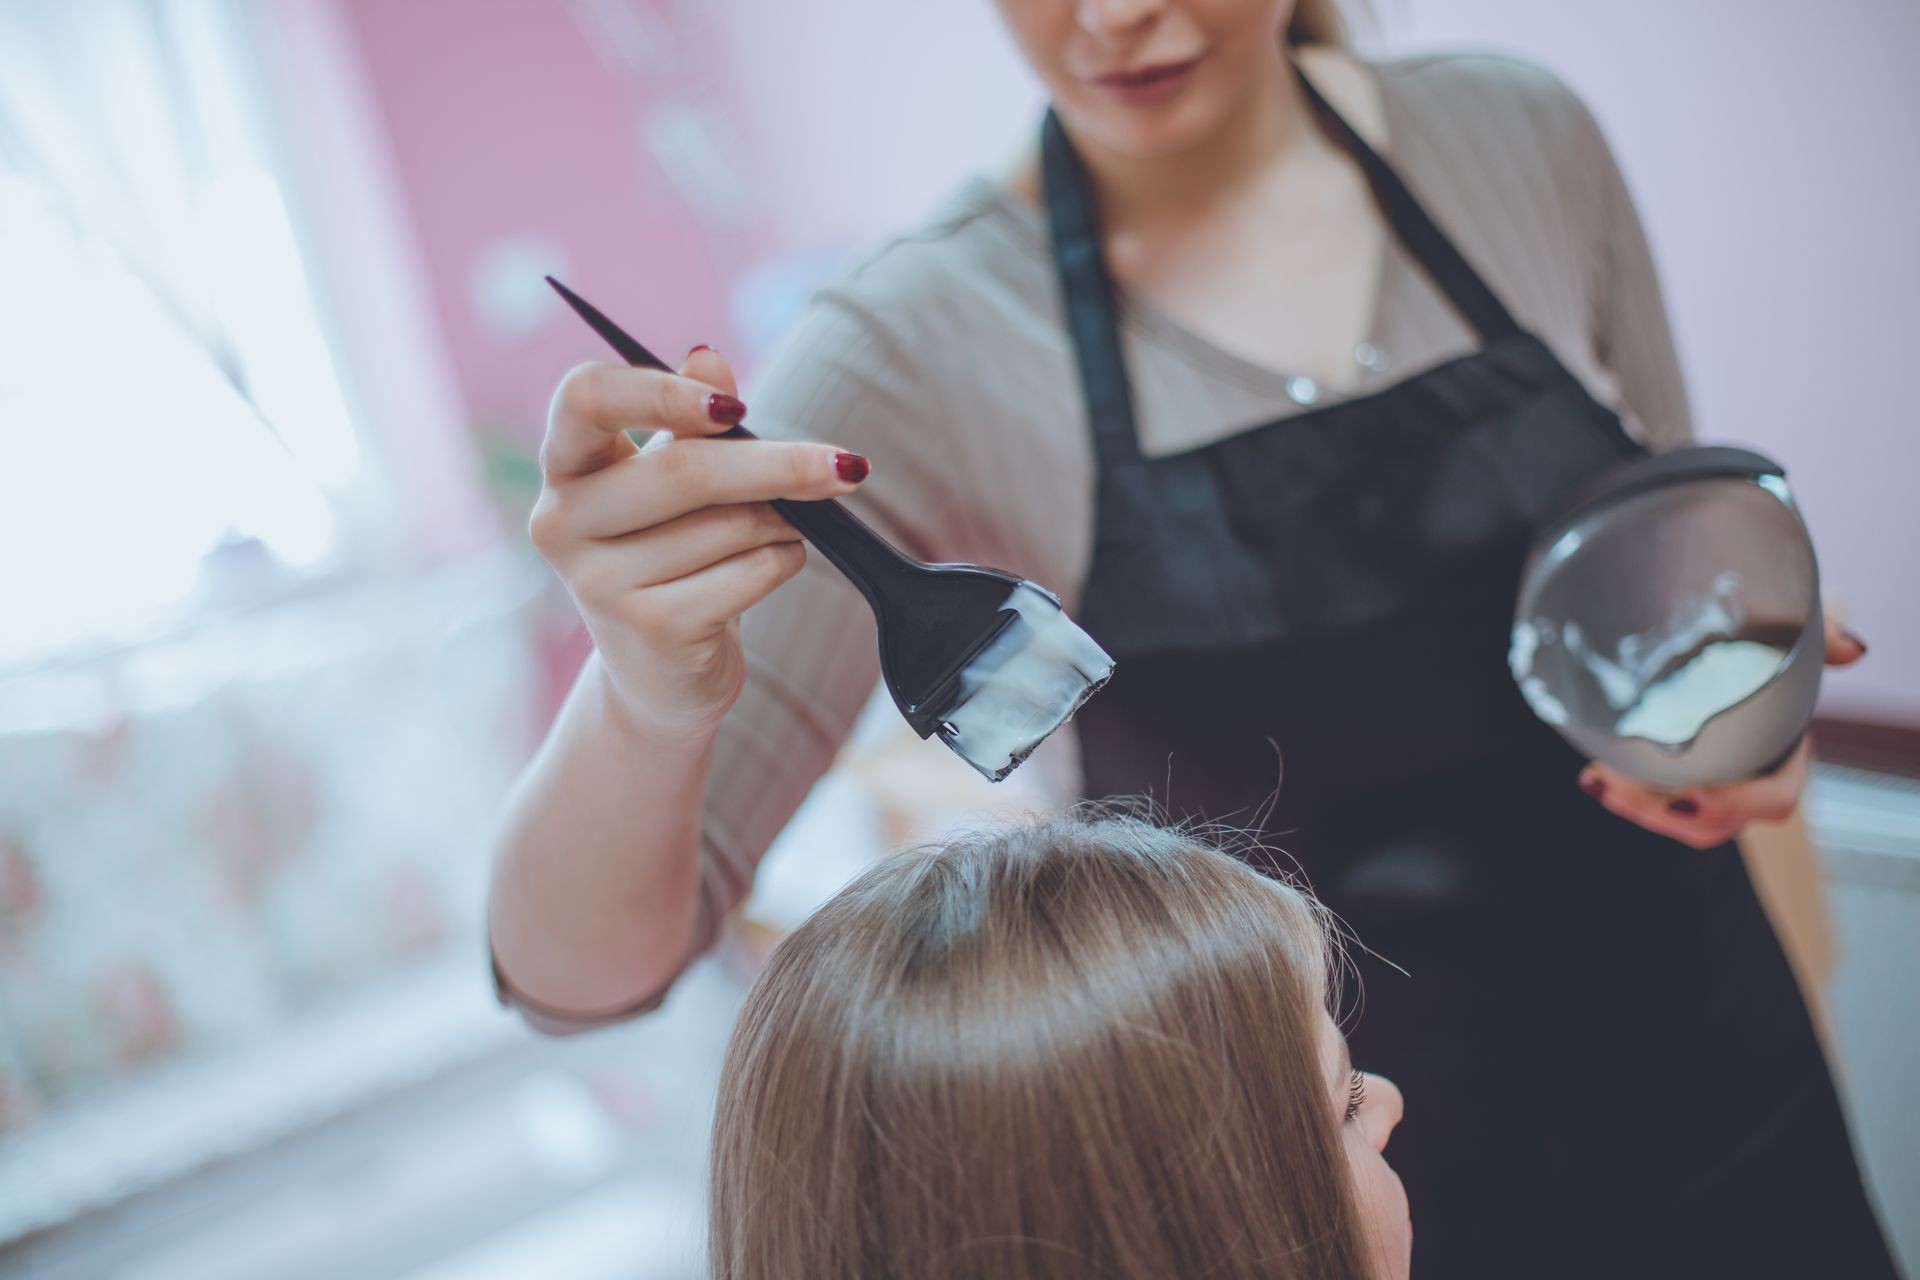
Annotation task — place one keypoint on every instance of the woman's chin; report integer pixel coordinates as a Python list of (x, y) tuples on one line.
[(1148, 133)]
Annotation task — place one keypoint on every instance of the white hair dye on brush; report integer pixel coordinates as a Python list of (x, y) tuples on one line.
[(1025, 684)]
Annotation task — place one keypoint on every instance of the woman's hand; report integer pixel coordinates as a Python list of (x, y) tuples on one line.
[(1706, 816), (663, 547)]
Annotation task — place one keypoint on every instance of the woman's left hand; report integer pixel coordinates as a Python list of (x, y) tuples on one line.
[(1706, 816)]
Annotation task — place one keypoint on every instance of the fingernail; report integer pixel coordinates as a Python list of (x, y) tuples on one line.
[(698, 346), (1857, 642), (1684, 807), (1593, 787), (722, 407), (851, 467)]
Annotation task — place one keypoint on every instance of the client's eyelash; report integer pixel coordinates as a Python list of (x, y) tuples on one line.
[(1356, 1094)]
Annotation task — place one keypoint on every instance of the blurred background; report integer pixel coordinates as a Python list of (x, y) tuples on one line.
[(274, 359)]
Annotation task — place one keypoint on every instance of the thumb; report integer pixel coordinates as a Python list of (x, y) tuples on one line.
[(1843, 647), (704, 364)]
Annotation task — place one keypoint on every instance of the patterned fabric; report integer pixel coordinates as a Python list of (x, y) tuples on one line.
[(260, 818)]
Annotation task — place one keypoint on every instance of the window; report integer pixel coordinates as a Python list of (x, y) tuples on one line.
[(172, 431)]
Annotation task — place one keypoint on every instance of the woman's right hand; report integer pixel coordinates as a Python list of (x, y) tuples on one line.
[(663, 547)]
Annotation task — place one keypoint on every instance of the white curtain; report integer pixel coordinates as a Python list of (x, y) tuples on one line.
[(172, 430)]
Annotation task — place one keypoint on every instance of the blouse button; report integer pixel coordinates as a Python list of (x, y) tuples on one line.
[(1303, 390)]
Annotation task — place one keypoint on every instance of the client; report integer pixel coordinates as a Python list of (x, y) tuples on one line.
[(1084, 1047)]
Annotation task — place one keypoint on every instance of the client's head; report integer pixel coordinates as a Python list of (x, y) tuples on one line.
[(1078, 1048)]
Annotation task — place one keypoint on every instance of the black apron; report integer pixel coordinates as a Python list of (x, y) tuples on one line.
[(1608, 1067)]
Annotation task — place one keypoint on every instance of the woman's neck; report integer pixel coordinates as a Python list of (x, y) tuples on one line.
[(1263, 131)]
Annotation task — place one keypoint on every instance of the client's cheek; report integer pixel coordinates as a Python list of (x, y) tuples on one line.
[(1383, 1196), (1384, 1210)]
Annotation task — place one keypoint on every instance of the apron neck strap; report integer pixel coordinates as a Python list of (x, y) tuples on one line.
[(1087, 294), (1421, 236), (1087, 289)]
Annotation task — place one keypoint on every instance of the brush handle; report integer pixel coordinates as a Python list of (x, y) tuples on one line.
[(868, 560)]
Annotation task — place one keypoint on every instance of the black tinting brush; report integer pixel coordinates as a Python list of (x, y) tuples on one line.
[(988, 661)]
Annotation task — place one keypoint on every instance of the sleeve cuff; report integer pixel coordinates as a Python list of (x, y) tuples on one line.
[(561, 1022)]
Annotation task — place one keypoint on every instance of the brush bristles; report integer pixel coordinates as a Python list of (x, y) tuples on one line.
[(1026, 684)]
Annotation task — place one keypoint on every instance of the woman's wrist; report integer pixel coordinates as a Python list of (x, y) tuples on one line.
[(637, 725)]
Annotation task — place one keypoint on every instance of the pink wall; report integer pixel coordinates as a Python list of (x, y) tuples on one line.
[(867, 112), (512, 124), (1770, 155)]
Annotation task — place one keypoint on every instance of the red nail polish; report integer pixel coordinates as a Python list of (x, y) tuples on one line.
[(722, 407), (1593, 787), (1684, 807), (699, 346), (851, 467)]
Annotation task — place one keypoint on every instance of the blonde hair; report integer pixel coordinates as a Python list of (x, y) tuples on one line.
[(1318, 22), (1072, 1049)]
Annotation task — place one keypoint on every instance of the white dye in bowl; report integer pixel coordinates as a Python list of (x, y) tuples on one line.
[(1673, 710)]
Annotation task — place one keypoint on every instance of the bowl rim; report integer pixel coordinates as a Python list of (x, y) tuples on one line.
[(1676, 466)]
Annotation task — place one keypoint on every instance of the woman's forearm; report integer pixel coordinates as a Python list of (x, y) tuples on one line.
[(597, 871)]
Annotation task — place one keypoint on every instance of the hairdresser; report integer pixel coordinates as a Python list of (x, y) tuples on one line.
[(1269, 360)]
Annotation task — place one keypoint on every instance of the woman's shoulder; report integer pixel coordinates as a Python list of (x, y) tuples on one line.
[(929, 307), (972, 251), (1468, 75), (1492, 139), (1461, 92)]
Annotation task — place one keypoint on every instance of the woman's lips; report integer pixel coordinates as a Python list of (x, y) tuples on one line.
[(1147, 84)]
